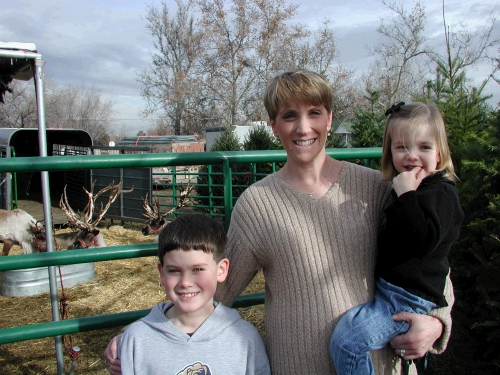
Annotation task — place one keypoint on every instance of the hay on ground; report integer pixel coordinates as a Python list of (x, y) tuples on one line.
[(119, 285)]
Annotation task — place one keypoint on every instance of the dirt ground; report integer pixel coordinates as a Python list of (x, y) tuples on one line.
[(121, 285)]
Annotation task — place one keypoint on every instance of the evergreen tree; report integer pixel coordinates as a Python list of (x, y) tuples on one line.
[(368, 125), (227, 141), (474, 139), (260, 138), (335, 141), (210, 191), (475, 260), (463, 108)]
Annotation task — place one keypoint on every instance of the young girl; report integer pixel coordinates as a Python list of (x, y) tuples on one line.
[(421, 225)]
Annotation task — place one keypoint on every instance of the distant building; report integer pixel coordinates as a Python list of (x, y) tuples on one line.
[(167, 143), (164, 143), (344, 129)]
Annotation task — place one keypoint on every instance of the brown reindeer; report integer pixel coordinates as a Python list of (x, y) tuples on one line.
[(156, 220), (15, 229), (68, 241), (86, 233)]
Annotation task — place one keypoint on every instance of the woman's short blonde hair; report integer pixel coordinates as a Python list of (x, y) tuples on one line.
[(408, 118), (301, 85)]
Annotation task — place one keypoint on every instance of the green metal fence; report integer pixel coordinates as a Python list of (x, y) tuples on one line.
[(228, 161)]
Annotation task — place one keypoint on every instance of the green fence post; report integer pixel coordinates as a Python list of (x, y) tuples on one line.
[(210, 190), (228, 191)]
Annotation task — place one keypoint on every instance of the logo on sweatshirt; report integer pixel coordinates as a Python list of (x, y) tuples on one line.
[(196, 368)]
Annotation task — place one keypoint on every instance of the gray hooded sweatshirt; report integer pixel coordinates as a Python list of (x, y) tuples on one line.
[(224, 344)]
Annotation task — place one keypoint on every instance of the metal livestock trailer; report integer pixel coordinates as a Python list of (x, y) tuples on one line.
[(23, 142), (17, 142)]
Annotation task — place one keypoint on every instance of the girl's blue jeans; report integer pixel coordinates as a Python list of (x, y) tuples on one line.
[(370, 326)]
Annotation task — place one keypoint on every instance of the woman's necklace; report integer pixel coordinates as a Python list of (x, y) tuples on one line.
[(321, 182)]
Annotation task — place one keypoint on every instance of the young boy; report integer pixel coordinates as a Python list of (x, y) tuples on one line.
[(192, 333)]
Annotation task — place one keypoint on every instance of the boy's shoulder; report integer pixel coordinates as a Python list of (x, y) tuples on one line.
[(154, 317), (225, 317), (224, 320)]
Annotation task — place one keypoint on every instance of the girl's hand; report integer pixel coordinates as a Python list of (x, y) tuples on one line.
[(424, 331), (111, 354), (408, 181)]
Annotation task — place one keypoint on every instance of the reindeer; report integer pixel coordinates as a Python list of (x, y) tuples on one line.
[(15, 229), (86, 233), (156, 220), (67, 241)]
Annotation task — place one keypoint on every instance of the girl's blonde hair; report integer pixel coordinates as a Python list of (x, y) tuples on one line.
[(408, 118), (301, 85)]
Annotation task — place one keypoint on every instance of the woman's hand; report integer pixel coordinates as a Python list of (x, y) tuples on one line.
[(111, 354), (424, 331)]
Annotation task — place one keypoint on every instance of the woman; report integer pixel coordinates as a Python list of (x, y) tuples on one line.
[(312, 227)]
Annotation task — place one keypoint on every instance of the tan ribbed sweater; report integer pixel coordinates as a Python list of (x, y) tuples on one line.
[(318, 257)]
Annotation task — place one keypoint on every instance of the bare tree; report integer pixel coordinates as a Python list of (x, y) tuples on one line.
[(466, 49), (160, 127), (212, 71), (303, 49), (347, 95), (324, 51), (496, 64), (230, 35), (169, 85), (397, 71), (75, 107), (405, 61), (270, 52), (275, 29), (79, 107), (252, 40), (19, 107), (320, 55)]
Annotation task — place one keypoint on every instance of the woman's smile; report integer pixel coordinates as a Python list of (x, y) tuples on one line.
[(305, 143)]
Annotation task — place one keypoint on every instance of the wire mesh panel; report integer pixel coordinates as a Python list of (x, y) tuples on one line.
[(68, 150), (128, 206)]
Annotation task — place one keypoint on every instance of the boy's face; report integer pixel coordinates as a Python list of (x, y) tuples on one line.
[(190, 279)]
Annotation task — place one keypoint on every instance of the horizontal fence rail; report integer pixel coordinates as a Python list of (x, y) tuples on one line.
[(52, 163), (58, 163)]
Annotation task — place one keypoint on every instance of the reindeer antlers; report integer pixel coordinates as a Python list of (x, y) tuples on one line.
[(84, 221), (73, 218), (153, 211), (116, 190)]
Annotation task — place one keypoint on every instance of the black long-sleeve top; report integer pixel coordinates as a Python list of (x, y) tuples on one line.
[(417, 236)]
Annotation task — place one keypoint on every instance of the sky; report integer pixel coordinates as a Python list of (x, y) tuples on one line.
[(104, 43)]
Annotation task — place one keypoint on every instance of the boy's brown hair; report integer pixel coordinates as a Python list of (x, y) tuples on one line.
[(193, 232)]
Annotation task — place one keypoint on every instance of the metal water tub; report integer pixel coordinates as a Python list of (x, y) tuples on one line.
[(33, 281)]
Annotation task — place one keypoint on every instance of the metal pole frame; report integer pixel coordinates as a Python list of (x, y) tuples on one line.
[(39, 63)]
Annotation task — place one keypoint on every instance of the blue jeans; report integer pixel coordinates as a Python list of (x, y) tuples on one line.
[(370, 326)]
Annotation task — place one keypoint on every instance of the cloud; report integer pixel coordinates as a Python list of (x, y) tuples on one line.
[(105, 43)]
